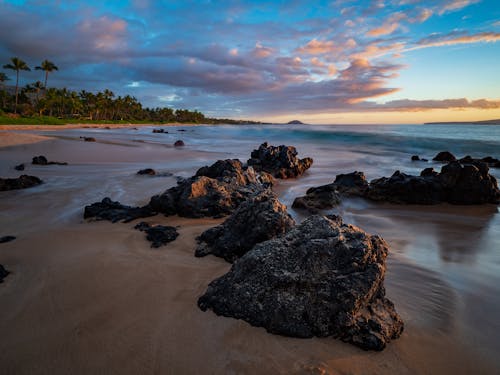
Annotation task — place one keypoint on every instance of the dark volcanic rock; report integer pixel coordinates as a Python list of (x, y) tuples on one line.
[(158, 235), (3, 273), (147, 171), (353, 183), (322, 278), (115, 211), (444, 156), (179, 143), (19, 167), (456, 184), (415, 158), (88, 139), (258, 219), (42, 160), (5, 239), (318, 198), (22, 182), (214, 191), (280, 161), (159, 131)]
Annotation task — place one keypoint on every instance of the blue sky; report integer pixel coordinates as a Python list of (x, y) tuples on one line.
[(321, 61)]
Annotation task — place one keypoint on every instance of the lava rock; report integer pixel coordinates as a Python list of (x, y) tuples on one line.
[(147, 171), (115, 211), (22, 182), (415, 158), (258, 219), (3, 273), (353, 183), (322, 278), (5, 239), (158, 235), (179, 143), (19, 167), (444, 156), (279, 161), (214, 191), (318, 198), (42, 160)]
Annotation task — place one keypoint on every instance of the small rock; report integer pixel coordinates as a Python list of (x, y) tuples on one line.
[(415, 158), (444, 156), (7, 239), (19, 167), (42, 160), (159, 131), (3, 273), (88, 139), (179, 143), (22, 182), (147, 171), (158, 235), (115, 211)]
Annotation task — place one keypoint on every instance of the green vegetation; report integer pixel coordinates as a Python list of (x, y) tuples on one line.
[(38, 104)]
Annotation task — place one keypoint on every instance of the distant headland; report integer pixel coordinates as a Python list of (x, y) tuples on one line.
[(484, 122), (295, 122)]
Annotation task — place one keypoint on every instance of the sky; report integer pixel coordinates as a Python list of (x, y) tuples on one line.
[(343, 61)]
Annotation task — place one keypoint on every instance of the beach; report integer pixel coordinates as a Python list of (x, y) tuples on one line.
[(93, 297)]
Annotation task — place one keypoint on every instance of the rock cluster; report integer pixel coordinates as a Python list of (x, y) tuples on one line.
[(279, 161), (322, 278), (42, 160), (22, 182), (446, 156), (115, 211), (258, 219), (158, 235)]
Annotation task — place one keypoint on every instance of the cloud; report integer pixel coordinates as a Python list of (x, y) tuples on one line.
[(408, 105), (438, 40), (454, 5), (317, 47)]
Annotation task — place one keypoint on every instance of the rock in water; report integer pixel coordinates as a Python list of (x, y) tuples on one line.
[(318, 198), (3, 273), (158, 235), (42, 160), (258, 219), (147, 171), (322, 278), (5, 239), (22, 182), (115, 211), (214, 191), (280, 161), (444, 156), (19, 167), (179, 143), (351, 183)]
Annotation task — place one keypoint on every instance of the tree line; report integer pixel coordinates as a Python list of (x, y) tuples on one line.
[(37, 99)]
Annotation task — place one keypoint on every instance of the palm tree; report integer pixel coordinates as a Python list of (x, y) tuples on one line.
[(3, 78), (16, 64), (48, 67)]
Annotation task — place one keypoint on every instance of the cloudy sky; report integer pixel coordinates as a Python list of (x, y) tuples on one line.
[(392, 61)]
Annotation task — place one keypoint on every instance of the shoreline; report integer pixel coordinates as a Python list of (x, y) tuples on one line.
[(90, 126)]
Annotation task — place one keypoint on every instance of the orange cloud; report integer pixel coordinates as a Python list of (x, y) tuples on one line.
[(449, 40), (456, 5), (317, 47)]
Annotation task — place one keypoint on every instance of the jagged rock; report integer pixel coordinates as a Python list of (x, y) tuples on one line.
[(353, 183), (147, 171), (322, 278), (19, 167), (258, 219), (3, 273), (214, 191), (115, 211), (280, 161), (42, 160), (179, 143), (5, 239), (158, 235), (489, 160), (456, 184), (22, 182), (88, 139), (444, 156), (318, 198)]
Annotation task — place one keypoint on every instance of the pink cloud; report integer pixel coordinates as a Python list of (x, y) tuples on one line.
[(317, 47), (454, 5)]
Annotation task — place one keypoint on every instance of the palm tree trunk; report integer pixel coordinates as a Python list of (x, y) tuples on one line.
[(46, 77), (17, 89)]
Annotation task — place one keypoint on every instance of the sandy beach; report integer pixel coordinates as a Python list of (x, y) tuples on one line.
[(93, 297)]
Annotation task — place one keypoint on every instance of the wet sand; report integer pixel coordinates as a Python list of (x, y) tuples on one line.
[(93, 297)]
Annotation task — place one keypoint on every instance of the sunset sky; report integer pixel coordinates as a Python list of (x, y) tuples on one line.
[(393, 61)]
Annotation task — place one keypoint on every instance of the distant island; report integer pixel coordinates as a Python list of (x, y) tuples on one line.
[(295, 122), (484, 122)]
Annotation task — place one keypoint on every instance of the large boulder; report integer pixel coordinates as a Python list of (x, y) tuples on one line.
[(214, 191), (318, 198), (258, 219), (280, 161), (353, 183), (22, 182), (322, 278), (115, 211)]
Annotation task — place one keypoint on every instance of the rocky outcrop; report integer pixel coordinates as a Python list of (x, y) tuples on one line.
[(456, 184), (489, 160), (3, 273), (322, 278), (115, 211), (5, 239), (258, 219), (158, 235), (214, 191), (22, 182), (147, 171), (354, 183), (42, 160), (279, 161), (444, 156)]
